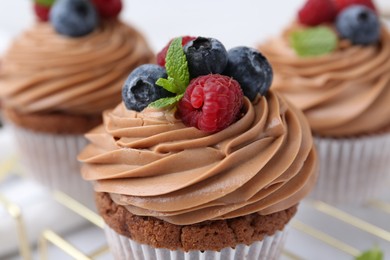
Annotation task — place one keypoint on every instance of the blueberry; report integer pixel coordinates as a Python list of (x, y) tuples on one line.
[(359, 24), (251, 69), (74, 18), (205, 56), (140, 88)]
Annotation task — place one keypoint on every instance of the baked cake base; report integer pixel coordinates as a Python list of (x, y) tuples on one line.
[(209, 235)]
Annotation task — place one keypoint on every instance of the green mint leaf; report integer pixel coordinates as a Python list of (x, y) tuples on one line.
[(178, 75), (177, 66), (373, 254), (45, 2), (165, 102), (168, 84), (314, 41)]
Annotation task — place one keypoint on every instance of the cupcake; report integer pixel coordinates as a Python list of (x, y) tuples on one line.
[(57, 78), (334, 65), (208, 168)]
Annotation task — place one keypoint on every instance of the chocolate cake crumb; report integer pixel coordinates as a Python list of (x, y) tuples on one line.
[(210, 235)]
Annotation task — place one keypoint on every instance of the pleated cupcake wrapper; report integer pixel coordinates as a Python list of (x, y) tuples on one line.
[(124, 248), (51, 160), (352, 171)]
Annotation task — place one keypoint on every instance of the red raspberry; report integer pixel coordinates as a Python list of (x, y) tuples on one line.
[(163, 53), (108, 8), (211, 103), (342, 4), (316, 12), (42, 12)]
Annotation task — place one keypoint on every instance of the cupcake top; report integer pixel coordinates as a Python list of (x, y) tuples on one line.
[(50, 69), (210, 146), (337, 76)]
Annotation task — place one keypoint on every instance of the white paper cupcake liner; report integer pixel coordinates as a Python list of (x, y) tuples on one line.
[(124, 248), (51, 160), (354, 170)]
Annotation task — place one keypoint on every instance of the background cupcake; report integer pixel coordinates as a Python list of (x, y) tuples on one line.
[(213, 167), (57, 78), (334, 64)]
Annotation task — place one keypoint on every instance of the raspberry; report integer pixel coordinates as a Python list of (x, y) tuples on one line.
[(211, 103), (163, 53), (42, 12), (316, 12), (108, 8), (342, 4)]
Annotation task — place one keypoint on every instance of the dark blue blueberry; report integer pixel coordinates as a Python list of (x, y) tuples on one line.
[(359, 24), (251, 69), (74, 18), (140, 88), (205, 56)]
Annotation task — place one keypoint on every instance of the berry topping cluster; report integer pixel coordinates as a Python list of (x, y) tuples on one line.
[(202, 81), (353, 20), (76, 18)]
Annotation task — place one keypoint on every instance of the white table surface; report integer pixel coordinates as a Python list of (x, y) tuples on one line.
[(244, 22)]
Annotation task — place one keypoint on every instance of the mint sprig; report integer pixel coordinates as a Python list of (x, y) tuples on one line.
[(165, 102), (177, 69), (178, 75), (314, 41), (373, 254)]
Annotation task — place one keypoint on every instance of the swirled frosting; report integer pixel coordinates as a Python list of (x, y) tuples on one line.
[(344, 93), (153, 165), (45, 72)]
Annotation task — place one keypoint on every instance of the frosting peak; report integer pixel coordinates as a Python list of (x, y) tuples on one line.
[(46, 72), (342, 93), (155, 166)]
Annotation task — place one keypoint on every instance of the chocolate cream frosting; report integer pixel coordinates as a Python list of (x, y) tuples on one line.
[(344, 93), (154, 165), (46, 72)]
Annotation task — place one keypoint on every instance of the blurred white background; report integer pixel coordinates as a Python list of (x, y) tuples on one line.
[(244, 22), (231, 21)]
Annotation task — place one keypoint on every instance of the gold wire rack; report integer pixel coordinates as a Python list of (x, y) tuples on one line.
[(58, 241), (50, 237), (7, 168)]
